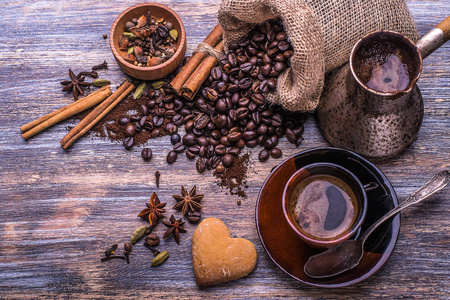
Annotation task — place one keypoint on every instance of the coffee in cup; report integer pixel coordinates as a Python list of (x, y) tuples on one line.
[(324, 203)]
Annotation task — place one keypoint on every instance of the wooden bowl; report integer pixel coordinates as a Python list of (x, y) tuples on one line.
[(159, 11)]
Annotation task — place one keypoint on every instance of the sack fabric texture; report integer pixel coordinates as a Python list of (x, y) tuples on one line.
[(322, 34)]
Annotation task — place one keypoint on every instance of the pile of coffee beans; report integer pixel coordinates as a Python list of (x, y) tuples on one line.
[(230, 111)]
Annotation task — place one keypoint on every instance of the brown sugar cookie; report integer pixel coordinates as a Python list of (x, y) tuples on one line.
[(217, 257)]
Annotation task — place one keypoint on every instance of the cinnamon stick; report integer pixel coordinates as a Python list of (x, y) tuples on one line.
[(36, 126), (192, 85), (212, 40), (96, 115)]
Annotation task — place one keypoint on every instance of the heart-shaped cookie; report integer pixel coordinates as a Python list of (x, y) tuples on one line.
[(217, 257)]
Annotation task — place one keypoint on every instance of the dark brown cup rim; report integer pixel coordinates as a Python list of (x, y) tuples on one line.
[(355, 185)]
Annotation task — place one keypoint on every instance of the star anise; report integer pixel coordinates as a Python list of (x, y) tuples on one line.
[(154, 210), (74, 84), (175, 227), (188, 201)]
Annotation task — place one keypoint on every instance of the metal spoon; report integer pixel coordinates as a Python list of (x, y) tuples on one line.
[(347, 255)]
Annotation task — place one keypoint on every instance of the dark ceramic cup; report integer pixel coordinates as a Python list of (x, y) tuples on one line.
[(324, 204)]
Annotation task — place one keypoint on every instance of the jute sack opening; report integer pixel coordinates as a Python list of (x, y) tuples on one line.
[(322, 34)]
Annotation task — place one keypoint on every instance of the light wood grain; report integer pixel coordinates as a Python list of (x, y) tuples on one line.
[(60, 210)]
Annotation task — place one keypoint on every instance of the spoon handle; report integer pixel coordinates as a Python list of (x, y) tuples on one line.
[(436, 183)]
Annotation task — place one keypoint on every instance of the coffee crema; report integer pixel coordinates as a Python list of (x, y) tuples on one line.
[(324, 206)]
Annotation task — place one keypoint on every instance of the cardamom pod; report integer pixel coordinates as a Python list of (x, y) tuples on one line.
[(100, 82), (160, 258), (173, 34), (130, 50), (139, 91), (157, 84), (137, 234), (129, 35)]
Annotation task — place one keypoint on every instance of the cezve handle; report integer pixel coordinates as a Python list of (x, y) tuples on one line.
[(434, 38)]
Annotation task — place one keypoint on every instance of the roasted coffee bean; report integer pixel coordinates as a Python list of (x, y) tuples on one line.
[(272, 83), (279, 66), (290, 135), (227, 160), (201, 121), (224, 141), (251, 143), (158, 121), (200, 164), (179, 147), (213, 142), (221, 87), (202, 151), (151, 103), (220, 150), (258, 99), (135, 118), (298, 131), (142, 121), (235, 151), (220, 169), (233, 137), (283, 45), (276, 152), (189, 154), (168, 98), (146, 154), (265, 70), (128, 142), (246, 67), (216, 73), (156, 132), (280, 57), (243, 102), (221, 106), (144, 109), (202, 141), (298, 141), (271, 142), (261, 139), (189, 139), (171, 157), (232, 59), (263, 155), (245, 83), (130, 130), (277, 120), (240, 144), (221, 121), (178, 120), (215, 160), (232, 88), (124, 121), (194, 149), (212, 94), (175, 138), (242, 113), (249, 135), (193, 216), (148, 125), (197, 132), (171, 128), (170, 113)]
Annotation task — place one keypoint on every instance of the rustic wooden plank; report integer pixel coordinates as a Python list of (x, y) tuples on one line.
[(60, 210)]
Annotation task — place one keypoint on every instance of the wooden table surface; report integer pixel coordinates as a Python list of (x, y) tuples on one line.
[(60, 210)]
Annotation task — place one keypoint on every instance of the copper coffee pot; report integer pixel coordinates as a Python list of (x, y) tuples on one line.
[(372, 105)]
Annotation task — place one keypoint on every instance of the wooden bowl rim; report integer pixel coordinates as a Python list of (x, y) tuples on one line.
[(160, 66)]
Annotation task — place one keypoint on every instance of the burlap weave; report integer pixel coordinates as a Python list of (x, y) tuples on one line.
[(322, 33)]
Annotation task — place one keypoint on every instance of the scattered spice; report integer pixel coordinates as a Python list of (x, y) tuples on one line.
[(75, 84), (154, 210), (127, 249), (105, 36), (175, 227), (235, 177), (111, 250), (157, 178), (188, 201), (152, 240), (160, 258), (138, 234), (103, 65), (100, 82), (113, 257)]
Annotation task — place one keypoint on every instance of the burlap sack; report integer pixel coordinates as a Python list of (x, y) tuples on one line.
[(322, 33)]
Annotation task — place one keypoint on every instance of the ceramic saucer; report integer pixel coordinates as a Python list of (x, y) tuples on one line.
[(289, 253)]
